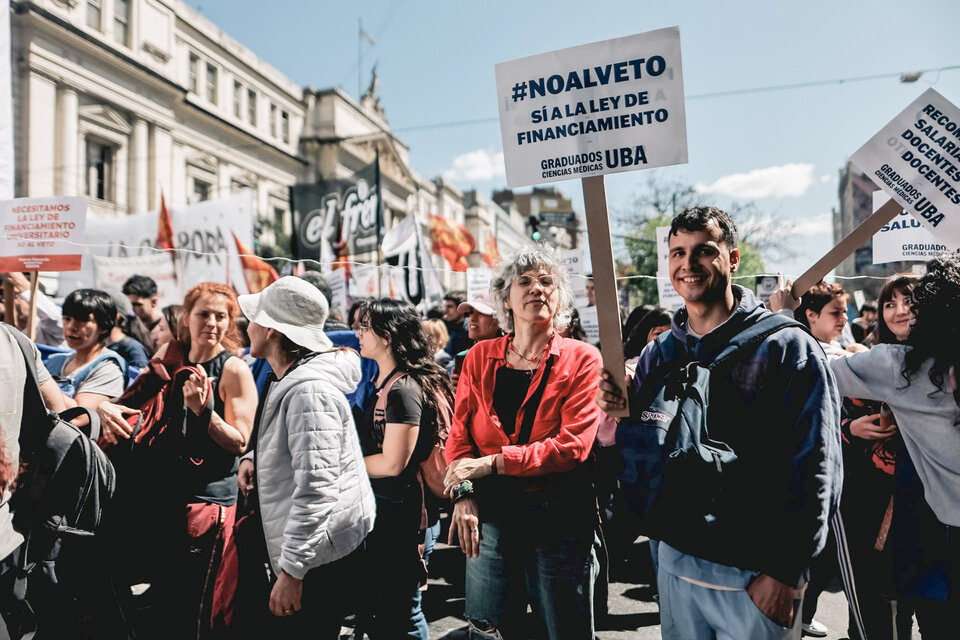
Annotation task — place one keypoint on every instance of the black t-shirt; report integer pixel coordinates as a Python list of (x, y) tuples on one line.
[(510, 389), (405, 405)]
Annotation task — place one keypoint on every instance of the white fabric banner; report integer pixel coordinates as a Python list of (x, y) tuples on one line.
[(202, 235), (111, 273)]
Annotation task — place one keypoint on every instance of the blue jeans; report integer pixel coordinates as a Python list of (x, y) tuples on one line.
[(692, 612), (555, 576), (394, 572)]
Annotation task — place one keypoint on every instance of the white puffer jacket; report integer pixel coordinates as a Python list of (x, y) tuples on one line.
[(315, 497)]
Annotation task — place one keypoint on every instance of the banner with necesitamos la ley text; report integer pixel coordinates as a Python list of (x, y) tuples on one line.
[(599, 108)]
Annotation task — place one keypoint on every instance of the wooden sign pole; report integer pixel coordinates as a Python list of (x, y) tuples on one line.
[(32, 319), (867, 229), (604, 282), (9, 303)]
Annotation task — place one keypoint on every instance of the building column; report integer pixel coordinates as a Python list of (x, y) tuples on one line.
[(161, 161), (106, 18), (67, 143), (139, 159)]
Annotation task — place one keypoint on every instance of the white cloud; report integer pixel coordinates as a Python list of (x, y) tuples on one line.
[(814, 225), (788, 180), (826, 178), (476, 166), (767, 225)]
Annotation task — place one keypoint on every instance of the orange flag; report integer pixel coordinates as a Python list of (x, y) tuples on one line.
[(256, 272), (164, 226), (452, 241), (491, 253)]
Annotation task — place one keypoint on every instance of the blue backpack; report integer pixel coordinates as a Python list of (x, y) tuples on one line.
[(673, 470)]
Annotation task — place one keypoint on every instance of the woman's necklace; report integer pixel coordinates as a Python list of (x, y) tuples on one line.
[(534, 361)]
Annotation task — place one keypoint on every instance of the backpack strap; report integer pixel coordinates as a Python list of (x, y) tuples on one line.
[(32, 398), (750, 338), (381, 407), (93, 431), (530, 413)]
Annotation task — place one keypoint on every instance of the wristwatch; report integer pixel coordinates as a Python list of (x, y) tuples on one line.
[(461, 490)]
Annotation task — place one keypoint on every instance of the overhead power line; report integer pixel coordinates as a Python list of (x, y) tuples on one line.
[(906, 77)]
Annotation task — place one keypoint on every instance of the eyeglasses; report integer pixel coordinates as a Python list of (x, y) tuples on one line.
[(364, 327), (546, 281)]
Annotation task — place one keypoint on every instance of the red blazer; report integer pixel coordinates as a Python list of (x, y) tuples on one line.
[(566, 421)]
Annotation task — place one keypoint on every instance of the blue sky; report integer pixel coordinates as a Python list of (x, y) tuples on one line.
[(781, 149)]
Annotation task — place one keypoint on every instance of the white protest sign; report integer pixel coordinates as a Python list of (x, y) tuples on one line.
[(363, 282), (577, 270), (916, 160), (904, 239), (337, 279), (766, 287), (478, 281), (669, 298), (111, 273), (593, 109), (41, 234), (663, 249), (202, 235), (859, 298), (590, 322)]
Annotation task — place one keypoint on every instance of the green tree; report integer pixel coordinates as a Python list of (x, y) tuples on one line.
[(760, 235)]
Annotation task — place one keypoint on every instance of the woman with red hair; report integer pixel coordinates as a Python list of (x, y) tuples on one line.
[(219, 402)]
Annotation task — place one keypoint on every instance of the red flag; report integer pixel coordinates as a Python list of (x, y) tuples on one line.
[(491, 253), (164, 226), (452, 241), (256, 272)]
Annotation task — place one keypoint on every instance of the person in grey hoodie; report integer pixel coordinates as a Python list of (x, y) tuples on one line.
[(917, 380), (313, 492)]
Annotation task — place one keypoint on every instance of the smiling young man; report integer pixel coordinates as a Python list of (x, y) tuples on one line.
[(743, 574)]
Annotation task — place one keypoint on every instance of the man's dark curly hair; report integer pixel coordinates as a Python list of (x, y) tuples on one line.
[(697, 219), (936, 332)]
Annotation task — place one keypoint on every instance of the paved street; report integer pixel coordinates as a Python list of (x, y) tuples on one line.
[(633, 613)]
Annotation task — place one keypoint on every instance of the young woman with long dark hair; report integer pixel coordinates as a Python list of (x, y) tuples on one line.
[(394, 444), (917, 381)]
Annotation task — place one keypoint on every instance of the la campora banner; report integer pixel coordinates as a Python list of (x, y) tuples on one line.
[(334, 219)]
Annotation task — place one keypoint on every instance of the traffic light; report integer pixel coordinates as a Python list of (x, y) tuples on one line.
[(534, 228)]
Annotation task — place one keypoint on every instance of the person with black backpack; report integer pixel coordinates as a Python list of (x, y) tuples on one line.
[(47, 587), (732, 447), (400, 432)]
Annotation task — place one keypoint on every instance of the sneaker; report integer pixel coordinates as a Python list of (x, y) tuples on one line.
[(814, 629)]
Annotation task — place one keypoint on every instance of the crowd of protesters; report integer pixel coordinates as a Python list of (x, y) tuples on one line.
[(301, 466)]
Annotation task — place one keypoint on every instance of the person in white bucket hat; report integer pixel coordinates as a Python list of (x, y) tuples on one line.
[(313, 492)]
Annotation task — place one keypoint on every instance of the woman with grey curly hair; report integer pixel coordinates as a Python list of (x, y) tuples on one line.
[(518, 450)]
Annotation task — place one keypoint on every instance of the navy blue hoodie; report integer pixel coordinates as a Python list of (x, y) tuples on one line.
[(779, 409)]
